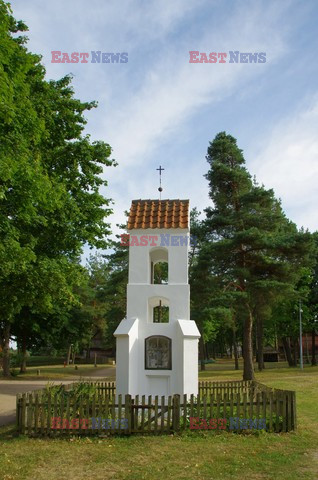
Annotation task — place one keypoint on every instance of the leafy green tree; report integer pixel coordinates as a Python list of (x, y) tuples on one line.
[(313, 303), (23, 183), (50, 180), (115, 291), (38, 323), (286, 314), (92, 310), (101, 302), (254, 249), (206, 308)]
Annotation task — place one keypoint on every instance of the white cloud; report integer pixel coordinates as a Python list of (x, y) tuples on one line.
[(172, 92), (153, 99), (288, 163), (173, 89)]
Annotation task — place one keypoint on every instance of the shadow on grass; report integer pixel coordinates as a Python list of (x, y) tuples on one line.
[(7, 432)]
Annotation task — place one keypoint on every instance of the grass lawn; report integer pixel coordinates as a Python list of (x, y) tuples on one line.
[(53, 372), (194, 455)]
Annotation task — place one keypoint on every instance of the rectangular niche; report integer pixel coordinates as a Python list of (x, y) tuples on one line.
[(158, 353), (158, 385)]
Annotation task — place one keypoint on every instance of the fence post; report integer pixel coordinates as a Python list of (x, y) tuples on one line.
[(18, 420), (128, 412), (176, 413), (294, 416), (132, 415), (252, 391), (23, 413), (288, 411)]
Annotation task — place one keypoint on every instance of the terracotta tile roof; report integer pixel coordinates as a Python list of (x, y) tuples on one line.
[(158, 214)]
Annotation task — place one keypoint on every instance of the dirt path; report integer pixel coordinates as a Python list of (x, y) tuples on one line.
[(8, 392), (10, 388)]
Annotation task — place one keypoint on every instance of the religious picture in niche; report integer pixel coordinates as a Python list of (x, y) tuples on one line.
[(158, 353)]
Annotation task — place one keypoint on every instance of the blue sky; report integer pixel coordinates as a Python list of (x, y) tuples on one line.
[(160, 109)]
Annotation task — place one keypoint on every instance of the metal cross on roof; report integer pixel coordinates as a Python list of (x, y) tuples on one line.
[(160, 169)]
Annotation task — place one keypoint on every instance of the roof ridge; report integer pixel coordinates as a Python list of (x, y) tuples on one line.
[(162, 201), (154, 213)]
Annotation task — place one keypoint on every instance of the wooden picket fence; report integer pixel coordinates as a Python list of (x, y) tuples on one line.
[(42, 413), (106, 389), (224, 388)]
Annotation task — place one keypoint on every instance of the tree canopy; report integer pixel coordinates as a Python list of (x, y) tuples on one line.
[(50, 181)]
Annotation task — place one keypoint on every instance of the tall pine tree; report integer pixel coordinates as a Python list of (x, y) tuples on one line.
[(254, 249)]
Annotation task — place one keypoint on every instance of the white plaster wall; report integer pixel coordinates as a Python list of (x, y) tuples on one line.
[(139, 256), (138, 300), (131, 375), (190, 366), (122, 365), (151, 382), (127, 354)]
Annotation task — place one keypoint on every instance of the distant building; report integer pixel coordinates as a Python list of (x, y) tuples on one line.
[(97, 347)]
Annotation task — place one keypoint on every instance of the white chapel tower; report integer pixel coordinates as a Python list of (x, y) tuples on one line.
[(157, 343)]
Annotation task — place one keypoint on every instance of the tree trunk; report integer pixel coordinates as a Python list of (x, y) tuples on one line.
[(295, 351), (6, 350), (276, 346), (307, 349), (260, 343), (248, 373), (207, 352), (287, 349), (242, 346), (254, 340), (88, 353), (201, 349), (24, 354), (73, 362), (213, 351), (236, 363), (313, 348), (68, 355)]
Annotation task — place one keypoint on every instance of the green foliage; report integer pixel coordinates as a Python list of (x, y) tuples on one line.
[(79, 392), (114, 292), (160, 272), (50, 181), (251, 256), (41, 360), (311, 303)]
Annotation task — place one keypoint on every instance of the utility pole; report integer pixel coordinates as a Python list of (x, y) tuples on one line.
[(301, 363)]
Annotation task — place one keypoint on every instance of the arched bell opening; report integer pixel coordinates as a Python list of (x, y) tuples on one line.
[(159, 266)]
